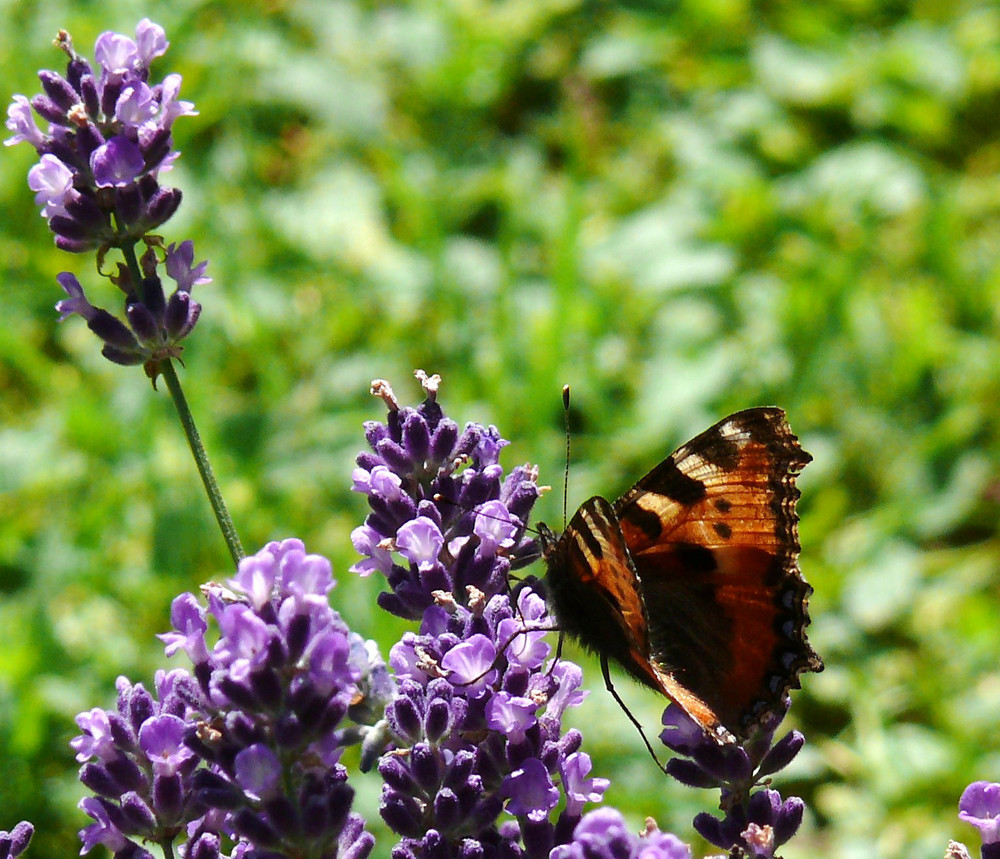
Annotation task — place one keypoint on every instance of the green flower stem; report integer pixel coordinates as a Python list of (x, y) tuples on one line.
[(198, 451), (201, 460)]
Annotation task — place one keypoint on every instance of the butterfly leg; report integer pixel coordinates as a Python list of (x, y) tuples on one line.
[(614, 692)]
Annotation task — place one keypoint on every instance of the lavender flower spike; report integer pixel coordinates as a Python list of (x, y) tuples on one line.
[(756, 820), (108, 139), (488, 769), (602, 834), (246, 746), (156, 324)]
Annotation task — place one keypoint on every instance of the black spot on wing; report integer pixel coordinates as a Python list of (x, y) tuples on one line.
[(695, 558), (646, 521), (723, 530)]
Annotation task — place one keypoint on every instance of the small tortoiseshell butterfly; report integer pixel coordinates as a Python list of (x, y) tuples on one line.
[(690, 580)]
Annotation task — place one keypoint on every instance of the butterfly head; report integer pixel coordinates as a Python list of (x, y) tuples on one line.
[(547, 540)]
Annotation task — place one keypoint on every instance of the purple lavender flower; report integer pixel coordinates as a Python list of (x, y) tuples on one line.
[(108, 139), (755, 823), (602, 834), (96, 182), (156, 324), (452, 526), (134, 762), (480, 705), (980, 806), (15, 842), (245, 749)]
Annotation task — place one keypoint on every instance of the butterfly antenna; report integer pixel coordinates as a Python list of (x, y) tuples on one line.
[(614, 692), (566, 471)]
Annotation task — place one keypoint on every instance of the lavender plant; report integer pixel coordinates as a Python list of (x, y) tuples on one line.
[(240, 755), (479, 704)]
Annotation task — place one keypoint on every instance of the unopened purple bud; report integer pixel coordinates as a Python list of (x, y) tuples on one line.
[(254, 828), (13, 843), (355, 843), (91, 100), (395, 455), (215, 791), (129, 204), (161, 206), (782, 754), (127, 773), (402, 815), (283, 815), (460, 769), (97, 778), (471, 849), (74, 232), (85, 211), (538, 835), (205, 846), (133, 851), (315, 817), (137, 816), (727, 763), (442, 442), (181, 315), (58, 89), (764, 806), (788, 819), (447, 810), (152, 296), (238, 693), (435, 846), (396, 774), (425, 767), (404, 719), (416, 437), (690, 774), (266, 686), (142, 323), (168, 797), (709, 828), (438, 721), (46, 108), (340, 796)]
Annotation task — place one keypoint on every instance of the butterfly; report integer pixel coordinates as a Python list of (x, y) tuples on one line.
[(690, 580)]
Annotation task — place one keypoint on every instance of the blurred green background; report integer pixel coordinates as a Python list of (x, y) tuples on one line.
[(679, 208)]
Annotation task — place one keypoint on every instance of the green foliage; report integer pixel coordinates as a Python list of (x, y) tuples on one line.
[(680, 209)]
